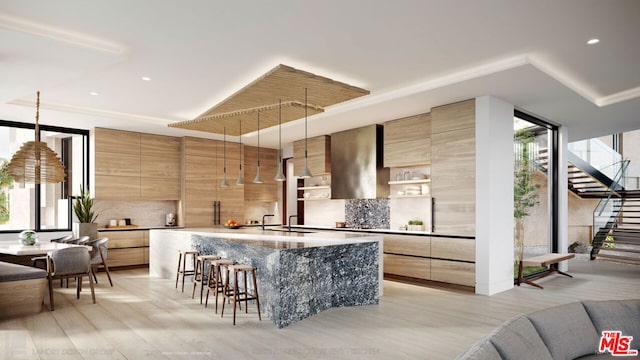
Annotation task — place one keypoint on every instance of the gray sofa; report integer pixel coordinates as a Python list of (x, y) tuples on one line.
[(570, 331)]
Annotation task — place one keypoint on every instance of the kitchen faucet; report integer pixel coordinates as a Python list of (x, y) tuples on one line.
[(289, 223), (264, 216)]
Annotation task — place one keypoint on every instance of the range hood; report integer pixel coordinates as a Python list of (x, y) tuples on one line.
[(357, 170)]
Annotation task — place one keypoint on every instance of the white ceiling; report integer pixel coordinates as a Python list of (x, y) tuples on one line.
[(411, 55)]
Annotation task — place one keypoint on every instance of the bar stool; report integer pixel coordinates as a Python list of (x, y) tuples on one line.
[(182, 265), (215, 282), (234, 292), (200, 277)]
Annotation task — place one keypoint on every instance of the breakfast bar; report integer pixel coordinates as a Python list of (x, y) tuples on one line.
[(299, 273)]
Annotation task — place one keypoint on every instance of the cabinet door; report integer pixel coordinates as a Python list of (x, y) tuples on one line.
[(318, 155), (453, 272), (407, 141), (268, 190), (410, 266), (127, 248), (407, 245), (453, 170), (454, 249)]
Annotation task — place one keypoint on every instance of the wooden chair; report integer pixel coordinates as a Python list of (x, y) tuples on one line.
[(99, 256), (73, 262)]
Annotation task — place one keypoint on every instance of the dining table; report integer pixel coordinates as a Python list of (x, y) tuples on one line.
[(22, 254)]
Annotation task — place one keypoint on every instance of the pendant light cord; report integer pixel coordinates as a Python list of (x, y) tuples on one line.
[(305, 126), (258, 139), (37, 116)]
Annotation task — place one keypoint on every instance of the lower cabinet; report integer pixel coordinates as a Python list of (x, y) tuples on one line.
[(127, 247), (449, 260)]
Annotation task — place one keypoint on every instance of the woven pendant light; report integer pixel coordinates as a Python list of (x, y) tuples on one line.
[(35, 162)]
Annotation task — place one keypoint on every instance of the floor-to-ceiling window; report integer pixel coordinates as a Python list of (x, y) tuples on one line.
[(541, 225), (46, 206)]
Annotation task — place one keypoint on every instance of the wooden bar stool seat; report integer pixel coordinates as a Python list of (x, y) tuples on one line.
[(215, 282), (200, 276), (182, 265), (237, 295)]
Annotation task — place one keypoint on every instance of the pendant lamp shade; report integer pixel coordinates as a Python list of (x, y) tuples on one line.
[(258, 178), (306, 173), (35, 162), (240, 180), (224, 182), (279, 174)]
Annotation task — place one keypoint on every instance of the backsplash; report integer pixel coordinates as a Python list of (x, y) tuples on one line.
[(367, 213), (143, 213)]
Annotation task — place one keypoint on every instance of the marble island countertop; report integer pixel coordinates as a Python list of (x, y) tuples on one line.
[(279, 237)]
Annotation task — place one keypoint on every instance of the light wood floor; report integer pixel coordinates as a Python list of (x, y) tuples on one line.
[(147, 318)]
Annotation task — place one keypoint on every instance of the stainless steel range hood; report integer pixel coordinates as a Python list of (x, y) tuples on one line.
[(356, 164)]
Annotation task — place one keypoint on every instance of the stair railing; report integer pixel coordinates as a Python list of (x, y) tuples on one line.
[(605, 215)]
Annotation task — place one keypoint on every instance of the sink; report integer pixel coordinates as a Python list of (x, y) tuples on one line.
[(292, 230)]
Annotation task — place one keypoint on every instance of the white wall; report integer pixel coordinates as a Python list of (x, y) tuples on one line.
[(494, 195)]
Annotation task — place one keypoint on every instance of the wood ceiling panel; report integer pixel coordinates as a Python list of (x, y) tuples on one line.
[(262, 95)]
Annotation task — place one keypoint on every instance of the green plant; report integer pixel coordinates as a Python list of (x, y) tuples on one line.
[(415, 222), (6, 182), (83, 207)]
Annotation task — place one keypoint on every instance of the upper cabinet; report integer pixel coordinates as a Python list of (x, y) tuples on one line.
[(318, 155), (131, 165), (453, 168), (407, 141), (268, 190)]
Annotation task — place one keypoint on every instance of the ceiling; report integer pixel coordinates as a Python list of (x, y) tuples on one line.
[(410, 55)]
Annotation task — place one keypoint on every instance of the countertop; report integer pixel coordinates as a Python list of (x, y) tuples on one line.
[(280, 239), (379, 231), (139, 228)]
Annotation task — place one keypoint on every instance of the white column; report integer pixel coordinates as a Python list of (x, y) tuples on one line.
[(563, 196), (494, 195)]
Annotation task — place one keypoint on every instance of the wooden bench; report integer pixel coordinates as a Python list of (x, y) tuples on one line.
[(22, 290), (550, 260)]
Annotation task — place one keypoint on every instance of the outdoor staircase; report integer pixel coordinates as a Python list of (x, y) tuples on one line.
[(619, 240)]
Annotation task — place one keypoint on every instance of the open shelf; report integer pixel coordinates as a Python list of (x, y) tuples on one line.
[(314, 187), (406, 182)]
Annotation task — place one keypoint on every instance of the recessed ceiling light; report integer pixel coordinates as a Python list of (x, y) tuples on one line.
[(593, 41), (94, 93), (146, 78)]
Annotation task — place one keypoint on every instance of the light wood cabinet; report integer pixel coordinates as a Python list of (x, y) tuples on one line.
[(453, 272), (407, 245), (130, 165), (407, 141), (453, 168), (318, 155), (200, 184), (127, 247), (410, 266), (268, 190), (453, 248)]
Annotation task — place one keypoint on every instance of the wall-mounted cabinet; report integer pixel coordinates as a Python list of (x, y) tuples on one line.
[(407, 141), (318, 155), (268, 190), (453, 168), (200, 184), (131, 165)]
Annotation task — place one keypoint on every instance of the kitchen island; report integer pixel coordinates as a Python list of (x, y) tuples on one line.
[(299, 273)]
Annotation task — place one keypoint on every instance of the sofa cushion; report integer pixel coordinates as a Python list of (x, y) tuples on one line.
[(616, 315), (517, 338), (15, 272), (482, 350), (566, 330)]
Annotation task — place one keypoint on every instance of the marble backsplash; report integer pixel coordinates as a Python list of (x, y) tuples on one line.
[(367, 213), (143, 213)]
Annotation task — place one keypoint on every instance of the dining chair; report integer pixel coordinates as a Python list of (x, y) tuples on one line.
[(62, 239), (73, 262), (99, 252)]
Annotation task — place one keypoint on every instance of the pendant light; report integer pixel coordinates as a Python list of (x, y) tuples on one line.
[(306, 173), (258, 178), (224, 182), (279, 174), (240, 180), (35, 162)]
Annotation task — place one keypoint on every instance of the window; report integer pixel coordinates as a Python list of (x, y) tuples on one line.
[(46, 206)]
